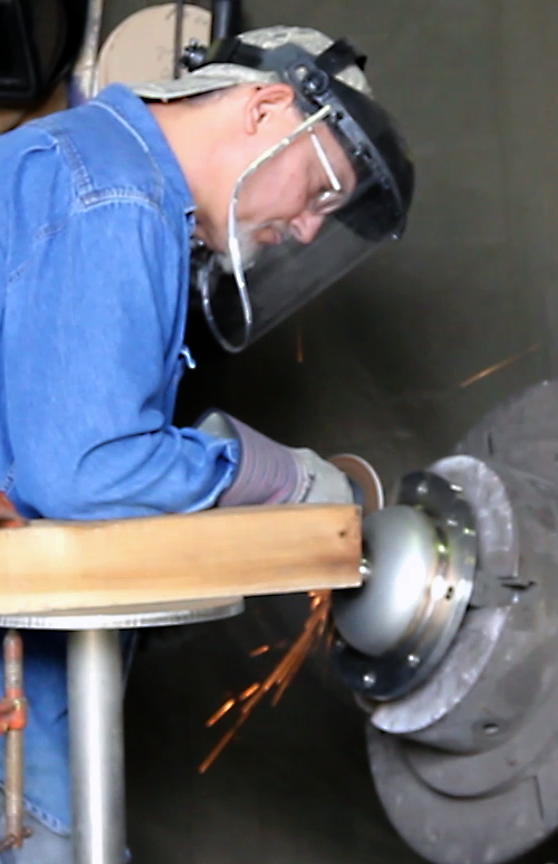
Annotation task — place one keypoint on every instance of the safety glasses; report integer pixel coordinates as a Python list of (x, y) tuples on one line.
[(330, 199)]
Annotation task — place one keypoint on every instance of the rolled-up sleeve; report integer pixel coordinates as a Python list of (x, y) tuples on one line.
[(88, 344)]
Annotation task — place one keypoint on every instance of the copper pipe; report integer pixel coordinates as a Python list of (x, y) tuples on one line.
[(13, 717), (13, 684)]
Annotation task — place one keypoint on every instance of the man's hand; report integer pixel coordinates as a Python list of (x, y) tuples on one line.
[(327, 484), (271, 473)]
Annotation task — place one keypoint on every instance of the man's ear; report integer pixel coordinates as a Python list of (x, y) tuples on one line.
[(265, 102)]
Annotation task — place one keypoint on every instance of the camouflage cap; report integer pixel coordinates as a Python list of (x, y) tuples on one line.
[(218, 76)]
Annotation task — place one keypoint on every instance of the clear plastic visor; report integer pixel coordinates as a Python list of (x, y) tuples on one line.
[(275, 266)]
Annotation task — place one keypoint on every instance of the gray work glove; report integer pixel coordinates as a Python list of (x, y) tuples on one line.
[(326, 483), (270, 473)]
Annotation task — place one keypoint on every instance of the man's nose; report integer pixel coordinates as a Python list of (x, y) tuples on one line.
[(305, 226)]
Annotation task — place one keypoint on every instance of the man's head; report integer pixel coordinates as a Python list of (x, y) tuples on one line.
[(242, 118), (291, 193), (286, 141)]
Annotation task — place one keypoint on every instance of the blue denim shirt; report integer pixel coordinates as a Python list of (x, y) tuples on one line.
[(95, 225)]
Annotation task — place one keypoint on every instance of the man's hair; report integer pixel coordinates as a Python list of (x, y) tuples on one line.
[(210, 96)]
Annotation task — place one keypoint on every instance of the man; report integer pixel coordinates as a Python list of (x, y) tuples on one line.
[(247, 186)]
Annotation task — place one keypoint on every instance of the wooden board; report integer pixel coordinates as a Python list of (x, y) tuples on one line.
[(56, 566)]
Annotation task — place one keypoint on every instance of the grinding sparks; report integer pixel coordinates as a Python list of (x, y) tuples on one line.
[(484, 373), (299, 344), (315, 631), (248, 692), (224, 709), (263, 649), (315, 599)]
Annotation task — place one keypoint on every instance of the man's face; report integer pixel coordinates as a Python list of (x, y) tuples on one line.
[(290, 194), (283, 195)]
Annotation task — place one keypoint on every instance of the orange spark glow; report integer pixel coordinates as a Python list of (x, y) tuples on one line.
[(314, 633), (263, 649), (299, 345), (484, 373), (224, 709), (249, 692)]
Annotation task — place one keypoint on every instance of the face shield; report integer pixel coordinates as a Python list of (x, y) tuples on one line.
[(272, 269)]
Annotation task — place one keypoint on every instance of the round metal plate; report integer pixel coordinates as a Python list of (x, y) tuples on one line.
[(398, 672), (449, 829), (457, 674), (446, 505), (128, 617)]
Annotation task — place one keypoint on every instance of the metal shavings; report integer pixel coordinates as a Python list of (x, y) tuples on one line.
[(315, 631)]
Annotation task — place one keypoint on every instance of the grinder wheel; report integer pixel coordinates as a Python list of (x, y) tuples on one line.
[(361, 473)]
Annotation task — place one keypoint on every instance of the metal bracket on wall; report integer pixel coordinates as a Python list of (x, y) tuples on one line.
[(490, 590)]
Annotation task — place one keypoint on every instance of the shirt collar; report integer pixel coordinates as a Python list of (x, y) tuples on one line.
[(135, 113)]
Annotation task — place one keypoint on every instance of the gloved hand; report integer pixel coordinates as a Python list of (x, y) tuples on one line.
[(270, 473), (326, 483)]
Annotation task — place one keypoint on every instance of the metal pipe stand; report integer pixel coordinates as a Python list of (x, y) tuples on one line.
[(95, 702), (95, 696)]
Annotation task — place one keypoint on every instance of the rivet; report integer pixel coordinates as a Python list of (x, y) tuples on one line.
[(364, 570)]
